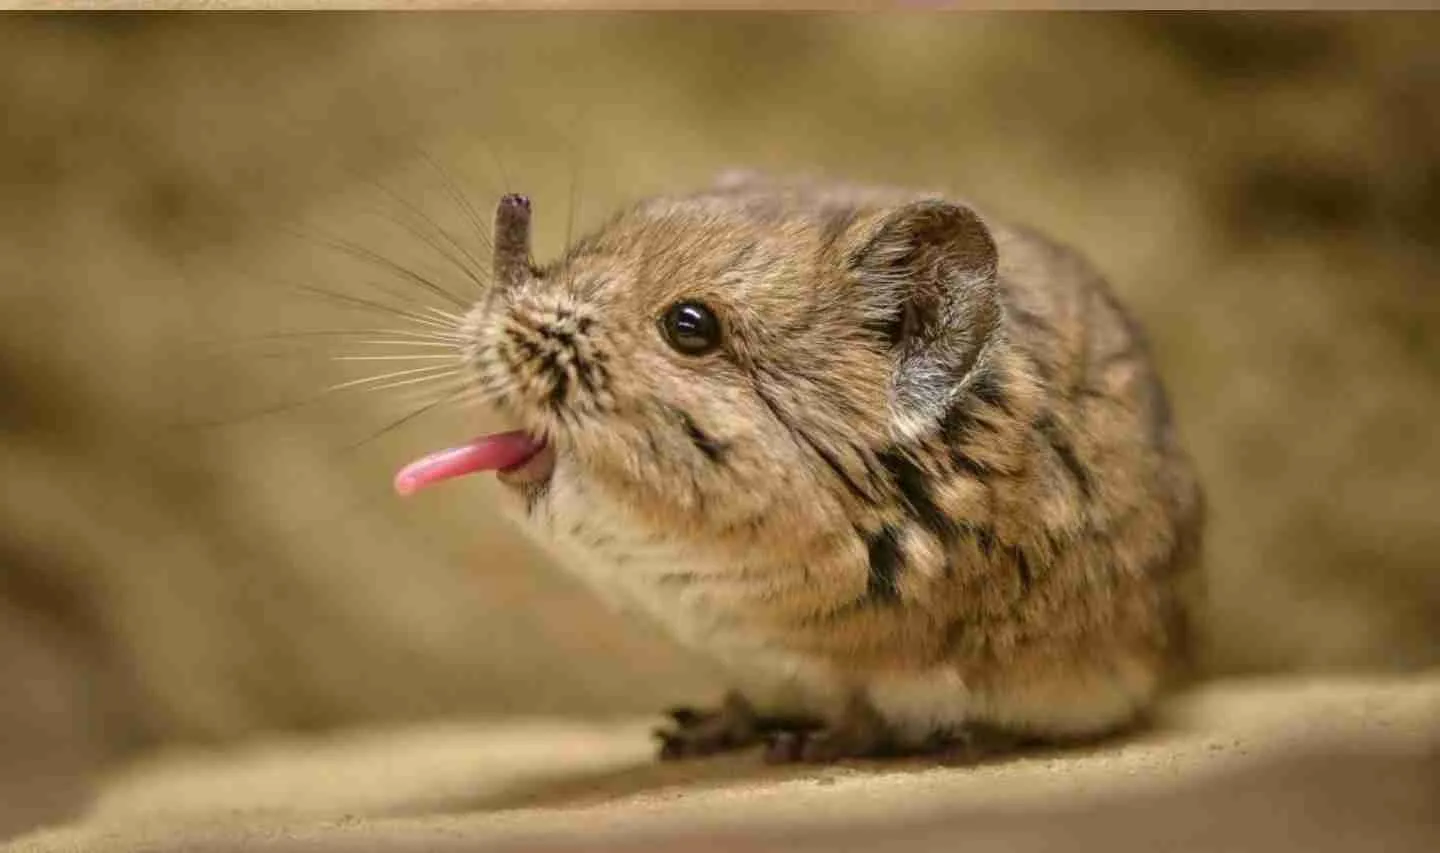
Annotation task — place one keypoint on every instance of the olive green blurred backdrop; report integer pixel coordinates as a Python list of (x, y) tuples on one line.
[(177, 565)]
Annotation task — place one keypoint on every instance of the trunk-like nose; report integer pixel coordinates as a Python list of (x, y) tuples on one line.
[(512, 241)]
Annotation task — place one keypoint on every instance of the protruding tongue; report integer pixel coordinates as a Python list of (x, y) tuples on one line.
[(488, 453)]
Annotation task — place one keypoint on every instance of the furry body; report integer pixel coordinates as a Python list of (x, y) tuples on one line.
[(931, 472)]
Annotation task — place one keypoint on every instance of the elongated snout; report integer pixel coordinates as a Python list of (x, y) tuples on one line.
[(512, 241)]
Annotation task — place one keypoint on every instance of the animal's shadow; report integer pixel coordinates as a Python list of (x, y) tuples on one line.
[(659, 778)]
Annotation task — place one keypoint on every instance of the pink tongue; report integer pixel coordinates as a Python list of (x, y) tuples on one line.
[(488, 453)]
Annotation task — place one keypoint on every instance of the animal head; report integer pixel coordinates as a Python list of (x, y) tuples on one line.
[(734, 360)]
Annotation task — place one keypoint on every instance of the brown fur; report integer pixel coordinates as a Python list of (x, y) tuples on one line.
[(932, 448)]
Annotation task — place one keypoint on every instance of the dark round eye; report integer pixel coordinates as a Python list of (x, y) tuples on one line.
[(691, 328)]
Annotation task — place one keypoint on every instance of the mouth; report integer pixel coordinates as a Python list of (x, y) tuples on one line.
[(518, 459)]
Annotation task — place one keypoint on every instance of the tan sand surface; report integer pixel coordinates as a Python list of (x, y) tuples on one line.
[(555, 783)]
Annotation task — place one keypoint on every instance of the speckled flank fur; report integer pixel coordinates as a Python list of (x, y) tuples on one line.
[(931, 469)]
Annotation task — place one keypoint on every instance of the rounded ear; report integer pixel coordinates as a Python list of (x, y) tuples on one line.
[(928, 273), (922, 262)]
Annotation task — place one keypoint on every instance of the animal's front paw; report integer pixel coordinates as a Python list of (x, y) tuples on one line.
[(859, 733), (823, 746), (862, 735), (695, 733)]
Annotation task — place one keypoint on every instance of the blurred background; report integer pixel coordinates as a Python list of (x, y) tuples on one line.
[(188, 554)]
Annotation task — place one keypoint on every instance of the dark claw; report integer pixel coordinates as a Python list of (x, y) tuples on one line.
[(675, 745), (687, 716), (734, 725), (671, 747), (784, 747)]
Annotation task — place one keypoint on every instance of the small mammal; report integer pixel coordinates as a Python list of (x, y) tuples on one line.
[(905, 471)]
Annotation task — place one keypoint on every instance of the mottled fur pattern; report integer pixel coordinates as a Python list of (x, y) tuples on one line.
[(931, 466)]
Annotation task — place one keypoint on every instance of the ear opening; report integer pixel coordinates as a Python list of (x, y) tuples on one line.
[(928, 270), (926, 267)]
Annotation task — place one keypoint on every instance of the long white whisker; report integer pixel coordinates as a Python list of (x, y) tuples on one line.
[(406, 397), (440, 326), (406, 419), (444, 323), (452, 317), (393, 358), (474, 270), (321, 333), (459, 197), (378, 260), (358, 301), (445, 344), (433, 369), (417, 380)]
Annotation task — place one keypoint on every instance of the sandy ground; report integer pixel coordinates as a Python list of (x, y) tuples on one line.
[(535, 784)]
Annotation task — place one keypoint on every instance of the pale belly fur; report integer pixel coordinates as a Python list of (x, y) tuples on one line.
[(628, 570)]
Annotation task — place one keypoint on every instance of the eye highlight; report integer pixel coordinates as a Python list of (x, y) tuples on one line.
[(690, 328)]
